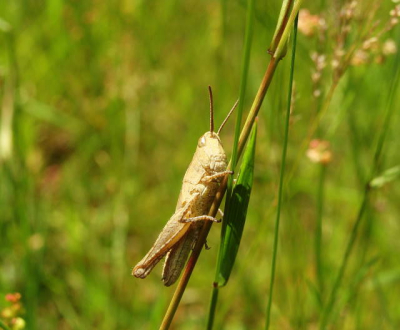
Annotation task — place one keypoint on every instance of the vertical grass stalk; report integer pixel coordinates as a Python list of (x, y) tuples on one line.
[(318, 233), (282, 174), (234, 157)]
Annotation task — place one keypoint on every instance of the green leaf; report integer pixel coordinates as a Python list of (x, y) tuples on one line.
[(235, 212), (386, 177)]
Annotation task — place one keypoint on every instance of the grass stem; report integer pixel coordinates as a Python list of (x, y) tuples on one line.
[(281, 179), (318, 232)]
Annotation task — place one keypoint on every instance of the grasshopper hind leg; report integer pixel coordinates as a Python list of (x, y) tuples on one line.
[(142, 272), (177, 256)]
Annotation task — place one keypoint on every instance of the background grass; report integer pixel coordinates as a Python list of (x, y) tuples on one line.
[(108, 100)]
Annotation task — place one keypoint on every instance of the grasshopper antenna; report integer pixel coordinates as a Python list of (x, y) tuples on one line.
[(211, 110), (227, 117)]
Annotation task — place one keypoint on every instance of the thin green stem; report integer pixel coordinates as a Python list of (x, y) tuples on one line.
[(281, 179), (285, 34), (355, 147), (318, 232), (213, 306), (282, 22)]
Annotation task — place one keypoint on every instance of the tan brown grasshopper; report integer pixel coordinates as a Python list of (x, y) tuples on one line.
[(200, 184)]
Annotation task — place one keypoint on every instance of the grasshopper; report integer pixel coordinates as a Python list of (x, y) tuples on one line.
[(199, 187)]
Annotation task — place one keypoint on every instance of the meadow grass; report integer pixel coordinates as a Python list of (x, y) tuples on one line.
[(101, 108)]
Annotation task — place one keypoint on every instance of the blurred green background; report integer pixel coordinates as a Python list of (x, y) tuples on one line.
[(102, 104)]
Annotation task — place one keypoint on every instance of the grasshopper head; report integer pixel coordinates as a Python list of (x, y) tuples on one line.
[(211, 152)]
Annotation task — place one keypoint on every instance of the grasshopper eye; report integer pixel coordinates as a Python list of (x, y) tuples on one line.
[(202, 142)]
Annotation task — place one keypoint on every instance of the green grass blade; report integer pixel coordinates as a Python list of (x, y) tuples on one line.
[(242, 91), (243, 84), (282, 174), (318, 233), (235, 213)]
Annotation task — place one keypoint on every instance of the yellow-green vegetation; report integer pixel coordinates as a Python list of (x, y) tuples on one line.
[(102, 104)]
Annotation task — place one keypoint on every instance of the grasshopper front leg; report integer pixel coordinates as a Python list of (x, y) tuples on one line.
[(199, 218), (209, 178)]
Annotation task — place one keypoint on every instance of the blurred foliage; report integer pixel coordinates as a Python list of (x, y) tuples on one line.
[(101, 107)]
